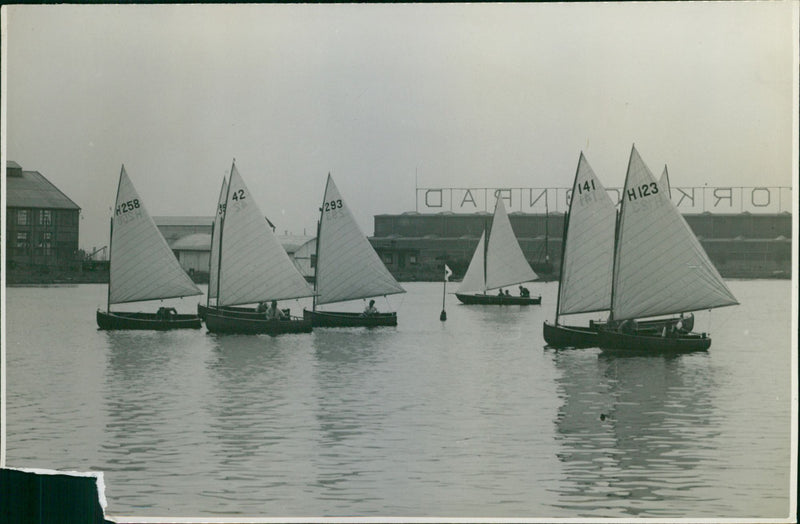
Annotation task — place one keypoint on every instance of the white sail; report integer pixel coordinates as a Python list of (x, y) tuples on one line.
[(505, 262), (254, 267), (663, 182), (142, 266), (587, 261), (473, 281), (214, 260), (660, 268), (348, 268)]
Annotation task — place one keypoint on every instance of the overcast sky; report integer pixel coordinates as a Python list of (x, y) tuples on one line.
[(481, 95)]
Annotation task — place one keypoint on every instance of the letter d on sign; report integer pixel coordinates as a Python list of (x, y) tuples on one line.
[(428, 203)]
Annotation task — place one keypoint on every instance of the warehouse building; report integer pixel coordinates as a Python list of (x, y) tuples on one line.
[(415, 246), (42, 223)]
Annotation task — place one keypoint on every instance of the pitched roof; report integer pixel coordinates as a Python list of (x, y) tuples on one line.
[(32, 189)]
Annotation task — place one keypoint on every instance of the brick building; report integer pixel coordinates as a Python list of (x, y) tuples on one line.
[(42, 223)]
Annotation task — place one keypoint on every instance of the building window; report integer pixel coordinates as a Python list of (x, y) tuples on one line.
[(45, 217), (412, 259), (387, 258), (22, 242), (47, 243), (22, 217)]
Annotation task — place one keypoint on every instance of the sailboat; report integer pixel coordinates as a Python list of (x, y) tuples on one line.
[(660, 269), (347, 267), (142, 267), (586, 260), (252, 267), (498, 262)]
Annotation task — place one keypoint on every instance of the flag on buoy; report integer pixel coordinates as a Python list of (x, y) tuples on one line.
[(447, 273)]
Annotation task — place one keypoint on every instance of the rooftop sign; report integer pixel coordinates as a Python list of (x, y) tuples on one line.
[(698, 199)]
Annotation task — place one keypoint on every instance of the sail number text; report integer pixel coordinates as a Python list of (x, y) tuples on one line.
[(125, 207), (641, 191), (586, 186), (333, 204), (238, 194)]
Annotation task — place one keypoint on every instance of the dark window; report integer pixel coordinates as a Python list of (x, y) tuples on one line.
[(22, 242), (387, 258), (47, 243), (45, 217), (22, 217)]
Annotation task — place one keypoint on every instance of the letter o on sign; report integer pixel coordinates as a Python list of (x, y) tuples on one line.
[(762, 190)]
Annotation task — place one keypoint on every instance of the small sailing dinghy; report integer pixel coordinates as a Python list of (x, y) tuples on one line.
[(347, 268), (142, 267), (498, 262), (586, 260), (252, 267), (660, 269)]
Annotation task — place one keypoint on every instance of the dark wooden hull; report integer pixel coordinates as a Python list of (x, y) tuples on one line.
[(651, 343), (223, 322), (347, 319), (560, 336), (497, 300), (234, 311), (145, 321)]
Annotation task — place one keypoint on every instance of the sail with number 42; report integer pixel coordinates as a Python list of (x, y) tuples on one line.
[(253, 265), (348, 268), (660, 266), (142, 265)]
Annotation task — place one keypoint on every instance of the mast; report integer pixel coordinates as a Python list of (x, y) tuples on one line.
[(110, 240), (316, 261), (208, 295), (222, 229), (485, 249), (567, 217), (616, 237)]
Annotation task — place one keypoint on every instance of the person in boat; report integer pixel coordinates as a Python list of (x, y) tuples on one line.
[(500, 293), (524, 292), (166, 313), (262, 307), (627, 326), (370, 309), (507, 293), (273, 313)]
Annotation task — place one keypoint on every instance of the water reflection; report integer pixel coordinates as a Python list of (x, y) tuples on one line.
[(632, 430), (349, 382)]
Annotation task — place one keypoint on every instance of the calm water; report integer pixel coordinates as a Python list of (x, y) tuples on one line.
[(469, 417)]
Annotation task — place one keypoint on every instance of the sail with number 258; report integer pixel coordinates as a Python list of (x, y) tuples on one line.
[(142, 266)]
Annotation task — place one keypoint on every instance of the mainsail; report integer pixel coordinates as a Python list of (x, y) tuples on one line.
[(660, 266), (347, 268), (254, 267), (142, 265), (587, 261), (215, 235), (505, 263)]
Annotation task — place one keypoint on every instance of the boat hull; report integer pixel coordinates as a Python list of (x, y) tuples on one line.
[(561, 336), (649, 343), (145, 321), (223, 322), (234, 311), (497, 300), (348, 319)]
